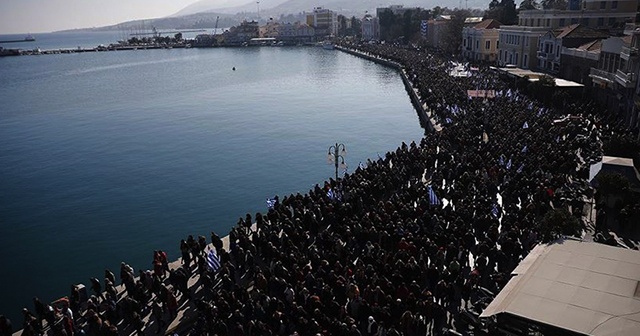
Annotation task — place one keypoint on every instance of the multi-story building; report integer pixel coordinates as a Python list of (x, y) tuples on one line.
[(370, 28), (436, 29), (294, 33), (480, 42), (551, 43), (519, 46), (616, 75), (577, 62), (242, 33), (324, 21), (516, 41), (610, 14)]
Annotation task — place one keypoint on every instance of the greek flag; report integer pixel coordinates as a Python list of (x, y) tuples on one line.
[(501, 160), (525, 126), (213, 261), (558, 139), (520, 168), (509, 164), (362, 165), (331, 194), (271, 203), (525, 149), (540, 111), (433, 198), (448, 120), (494, 211)]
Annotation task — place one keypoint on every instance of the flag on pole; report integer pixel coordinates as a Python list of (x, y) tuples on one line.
[(525, 126), (213, 261), (525, 149), (433, 198), (509, 164), (331, 194), (448, 120), (362, 165), (501, 160), (520, 168)]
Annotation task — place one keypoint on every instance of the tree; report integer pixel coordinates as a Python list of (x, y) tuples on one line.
[(528, 4), (452, 38), (558, 222), (503, 11), (554, 4)]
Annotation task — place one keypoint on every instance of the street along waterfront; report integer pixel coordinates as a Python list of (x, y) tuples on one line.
[(109, 156)]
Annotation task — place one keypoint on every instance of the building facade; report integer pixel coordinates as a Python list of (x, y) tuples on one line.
[(370, 28), (610, 14), (577, 62), (519, 46), (324, 21), (550, 46), (480, 42)]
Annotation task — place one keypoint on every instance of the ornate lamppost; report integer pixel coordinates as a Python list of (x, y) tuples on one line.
[(336, 156)]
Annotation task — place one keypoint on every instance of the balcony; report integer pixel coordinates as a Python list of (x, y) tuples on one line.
[(602, 76), (625, 79), (628, 52), (545, 56)]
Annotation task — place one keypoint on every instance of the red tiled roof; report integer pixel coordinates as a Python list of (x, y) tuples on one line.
[(488, 24)]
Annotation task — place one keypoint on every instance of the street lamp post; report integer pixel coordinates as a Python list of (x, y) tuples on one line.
[(336, 156)]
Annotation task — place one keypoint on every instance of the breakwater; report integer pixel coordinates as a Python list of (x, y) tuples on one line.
[(421, 108)]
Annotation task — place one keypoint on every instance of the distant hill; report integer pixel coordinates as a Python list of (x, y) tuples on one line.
[(277, 7), (202, 14)]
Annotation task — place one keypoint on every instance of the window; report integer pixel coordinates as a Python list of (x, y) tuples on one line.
[(516, 59), (585, 21), (538, 25), (524, 61), (562, 22), (574, 20), (600, 22), (614, 5), (603, 4), (477, 45), (548, 23), (497, 44), (487, 45), (612, 21), (558, 51)]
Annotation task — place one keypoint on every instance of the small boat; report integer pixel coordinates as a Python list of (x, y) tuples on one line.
[(328, 45)]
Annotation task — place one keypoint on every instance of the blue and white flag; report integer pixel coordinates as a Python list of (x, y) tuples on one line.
[(213, 261), (540, 111), (362, 165), (433, 198), (271, 203), (331, 194), (525, 126), (520, 168), (501, 160), (509, 164), (494, 211), (448, 120), (558, 139), (524, 149)]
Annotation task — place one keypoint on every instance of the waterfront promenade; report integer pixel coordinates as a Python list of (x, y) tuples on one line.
[(416, 237)]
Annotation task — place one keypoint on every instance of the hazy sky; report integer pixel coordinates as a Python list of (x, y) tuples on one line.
[(33, 16)]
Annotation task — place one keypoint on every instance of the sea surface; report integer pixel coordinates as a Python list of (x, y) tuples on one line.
[(105, 157)]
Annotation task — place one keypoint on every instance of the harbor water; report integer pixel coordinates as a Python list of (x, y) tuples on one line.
[(105, 157)]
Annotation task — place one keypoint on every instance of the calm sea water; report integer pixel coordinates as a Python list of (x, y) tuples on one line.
[(105, 157)]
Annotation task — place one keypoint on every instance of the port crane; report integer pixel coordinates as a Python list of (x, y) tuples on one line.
[(215, 29)]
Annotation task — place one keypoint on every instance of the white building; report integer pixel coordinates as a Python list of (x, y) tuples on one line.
[(370, 28)]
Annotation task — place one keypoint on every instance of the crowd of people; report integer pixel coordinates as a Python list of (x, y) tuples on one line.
[(407, 245)]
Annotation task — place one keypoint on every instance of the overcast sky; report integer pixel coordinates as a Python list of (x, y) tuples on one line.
[(34, 16)]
